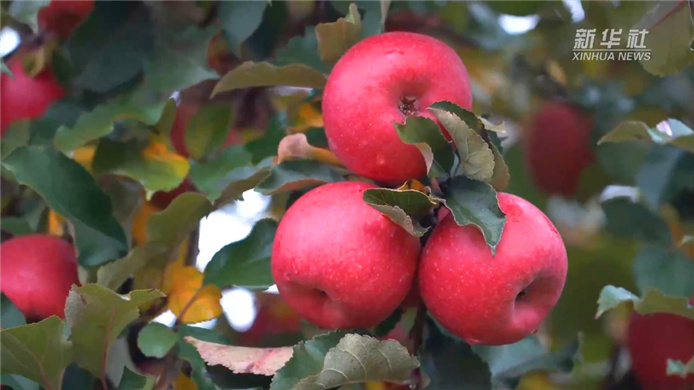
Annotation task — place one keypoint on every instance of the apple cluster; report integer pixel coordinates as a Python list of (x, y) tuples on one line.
[(342, 264)]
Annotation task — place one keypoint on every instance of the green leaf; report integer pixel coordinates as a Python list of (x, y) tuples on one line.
[(133, 381), (37, 351), (297, 174), (334, 39), (239, 19), (381, 330), (664, 174), (155, 169), (171, 226), (426, 135), (302, 50), (27, 12), (475, 203), (508, 363), (307, 360), (110, 48), (97, 316), (404, 207), (668, 132), (517, 8), (114, 274), (156, 340), (452, 364), (244, 179), (245, 263), (188, 352), (669, 271), (140, 105), (669, 39), (17, 382), (5, 69), (355, 359), (10, 316), (653, 301), (161, 76), (476, 157), (633, 220), (207, 130), (680, 368), (72, 192), (500, 176), (215, 174), (472, 120), (263, 74)]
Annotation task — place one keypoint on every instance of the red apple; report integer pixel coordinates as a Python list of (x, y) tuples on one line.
[(382, 80), (37, 273), (655, 338), (557, 141), (500, 299), (338, 262), (24, 97), (62, 16)]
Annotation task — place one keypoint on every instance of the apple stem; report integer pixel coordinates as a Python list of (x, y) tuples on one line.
[(417, 337)]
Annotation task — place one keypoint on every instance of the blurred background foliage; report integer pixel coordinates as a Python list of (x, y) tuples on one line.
[(159, 129)]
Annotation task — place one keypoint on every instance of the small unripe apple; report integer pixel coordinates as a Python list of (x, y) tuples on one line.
[(655, 338), (62, 16), (38, 271), (24, 97), (380, 81), (494, 300), (557, 141), (338, 262)]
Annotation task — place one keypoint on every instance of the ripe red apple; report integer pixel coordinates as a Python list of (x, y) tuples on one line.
[(37, 273), (557, 141), (24, 97), (338, 262), (655, 338), (500, 299), (381, 80), (62, 16)]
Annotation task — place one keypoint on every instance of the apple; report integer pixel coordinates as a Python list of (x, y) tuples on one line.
[(24, 97), (655, 338), (38, 271), (381, 80), (557, 142), (338, 262), (62, 16), (494, 300)]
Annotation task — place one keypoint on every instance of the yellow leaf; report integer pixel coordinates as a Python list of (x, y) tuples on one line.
[(188, 300), (139, 229), (307, 116), (84, 155), (183, 382), (56, 224)]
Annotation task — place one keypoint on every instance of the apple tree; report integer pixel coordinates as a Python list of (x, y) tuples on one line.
[(394, 195)]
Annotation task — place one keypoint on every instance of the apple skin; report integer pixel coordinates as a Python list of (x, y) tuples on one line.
[(655, 338), (62, 16), (24, 97), (478, 297), (38, 271), (557, 141), (338, 262), (366, 92)]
